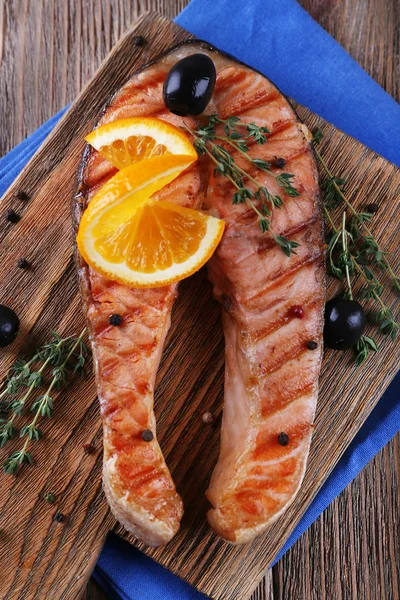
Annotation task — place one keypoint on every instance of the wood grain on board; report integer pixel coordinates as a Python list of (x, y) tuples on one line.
[(41, 571)]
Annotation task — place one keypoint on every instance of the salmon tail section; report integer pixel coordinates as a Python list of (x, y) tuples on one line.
[(137, 483), (257, 511), (137, 519), (266, 429), (256, 477)]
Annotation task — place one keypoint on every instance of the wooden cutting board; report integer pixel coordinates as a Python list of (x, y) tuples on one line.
[(40, 558)]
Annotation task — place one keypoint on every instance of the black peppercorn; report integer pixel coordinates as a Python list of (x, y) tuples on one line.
[(311, 345), (115, 320), (59, 517), (21, 195), (372, 208), (23, 263), (147, 435), (12, 216), (280, 163), (139, 40), (283, 439)]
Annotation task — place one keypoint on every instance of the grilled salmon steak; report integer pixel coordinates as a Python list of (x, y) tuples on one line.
[(272, 309)]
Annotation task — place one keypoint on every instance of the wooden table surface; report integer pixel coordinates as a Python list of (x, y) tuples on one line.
[(48, 51)]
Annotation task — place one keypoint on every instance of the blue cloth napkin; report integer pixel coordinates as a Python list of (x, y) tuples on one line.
[(280, 39)]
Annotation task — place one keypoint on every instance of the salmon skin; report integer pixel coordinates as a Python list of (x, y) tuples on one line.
[(271, 375)]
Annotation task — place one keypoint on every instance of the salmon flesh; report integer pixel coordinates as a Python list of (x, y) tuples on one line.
[(272, 307)]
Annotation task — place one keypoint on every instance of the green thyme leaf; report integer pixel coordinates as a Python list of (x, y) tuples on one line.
[(317, 136), (13, 462), (362, 349), (66, 355)]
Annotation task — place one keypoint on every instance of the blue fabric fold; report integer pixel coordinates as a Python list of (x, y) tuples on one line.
[(12, 163), (127, 574), (280, 39)]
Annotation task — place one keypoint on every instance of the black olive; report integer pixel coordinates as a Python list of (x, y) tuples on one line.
[(9, 325), (344, 323), (189, 85)]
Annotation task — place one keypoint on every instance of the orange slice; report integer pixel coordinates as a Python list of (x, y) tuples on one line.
[(127, 141), (141, 242)]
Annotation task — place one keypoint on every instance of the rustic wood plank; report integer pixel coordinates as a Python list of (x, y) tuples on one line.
[(51, 48), (368, 30), (347, 561), (122, 14)]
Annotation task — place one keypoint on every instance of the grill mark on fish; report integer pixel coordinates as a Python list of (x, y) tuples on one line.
[(275, 365), (278, 280), (264, 152), (267, 444), (258, 335), (284, 467), (285, 393)]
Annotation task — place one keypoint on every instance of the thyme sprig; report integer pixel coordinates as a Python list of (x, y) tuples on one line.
[(342, 265), (50, 354), (344, 261), (208, 142), (371, 251), (18, 377), (66, 355), (354, 252), (362, 349)]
